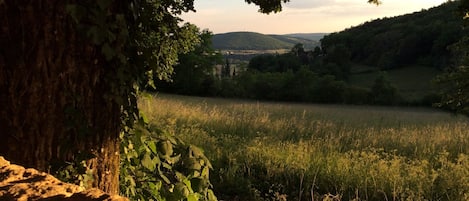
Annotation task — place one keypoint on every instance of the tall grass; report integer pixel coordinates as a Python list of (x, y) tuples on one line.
[(279, 151)]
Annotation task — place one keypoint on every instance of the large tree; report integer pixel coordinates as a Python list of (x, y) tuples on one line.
[(69, 71), (454, 83)]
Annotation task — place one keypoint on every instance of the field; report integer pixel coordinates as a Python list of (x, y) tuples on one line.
[(280, 151)]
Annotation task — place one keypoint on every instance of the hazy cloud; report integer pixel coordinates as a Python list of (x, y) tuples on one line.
[(308, 4), (298, 16)]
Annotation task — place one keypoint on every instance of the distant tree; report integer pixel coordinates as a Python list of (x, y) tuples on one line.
[(298, 50), (329, 90), (300, 87), (194, 73), (454, 84), (275, 63), (226, 71), (383, 92)]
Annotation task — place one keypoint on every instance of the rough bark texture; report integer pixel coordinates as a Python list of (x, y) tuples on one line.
[(51, 93)]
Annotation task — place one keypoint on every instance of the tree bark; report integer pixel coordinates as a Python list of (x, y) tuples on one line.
[(52, 107)]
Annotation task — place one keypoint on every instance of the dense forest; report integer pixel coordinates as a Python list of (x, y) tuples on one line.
[(372, 51), (419, 38)]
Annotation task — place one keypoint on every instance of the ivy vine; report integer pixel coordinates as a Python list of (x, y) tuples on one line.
[(139, 41), (159, 166)]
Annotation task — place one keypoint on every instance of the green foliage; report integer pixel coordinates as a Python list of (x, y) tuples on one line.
[(156, 165), (268, 6), (275, 63), (299, 76), (193, 75), (454, 84), (76, 171), (383, 92), (140, 41)]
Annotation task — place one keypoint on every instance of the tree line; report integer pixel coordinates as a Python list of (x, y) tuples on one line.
[(300, 75)]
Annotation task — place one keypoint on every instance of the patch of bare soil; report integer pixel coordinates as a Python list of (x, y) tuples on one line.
[(18, 183)]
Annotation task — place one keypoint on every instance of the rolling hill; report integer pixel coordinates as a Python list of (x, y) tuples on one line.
[(257, 41), (309, 36)]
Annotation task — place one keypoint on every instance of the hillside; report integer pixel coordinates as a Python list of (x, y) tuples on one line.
[(308, 36), (257, 41), (419, 38)]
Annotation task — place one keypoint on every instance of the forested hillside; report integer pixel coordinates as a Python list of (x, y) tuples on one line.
[(419, 38), (257, 41)]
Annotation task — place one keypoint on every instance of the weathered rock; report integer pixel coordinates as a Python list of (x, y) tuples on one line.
[(18, 183)]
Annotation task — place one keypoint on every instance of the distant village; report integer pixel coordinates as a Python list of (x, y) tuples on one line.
[(236, 61)]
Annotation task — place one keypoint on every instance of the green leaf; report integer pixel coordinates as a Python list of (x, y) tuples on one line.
[(195, 151), (193, 197), (173, 160), (167, 166), (165, 179), (211, 196), (152, 146), (205, 172), (155, 186), (148, 162)]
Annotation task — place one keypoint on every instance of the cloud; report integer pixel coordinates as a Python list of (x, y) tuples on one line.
[(308, 4), (297, 15)]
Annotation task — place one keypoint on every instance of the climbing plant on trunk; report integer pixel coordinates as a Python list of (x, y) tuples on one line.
[(68, 77)]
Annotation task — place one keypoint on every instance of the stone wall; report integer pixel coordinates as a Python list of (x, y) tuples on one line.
[(18, 183)]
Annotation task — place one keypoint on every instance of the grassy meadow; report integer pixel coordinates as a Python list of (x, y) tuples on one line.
[(285, 151)]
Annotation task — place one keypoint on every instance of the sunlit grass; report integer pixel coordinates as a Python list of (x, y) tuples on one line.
[(273, 151)]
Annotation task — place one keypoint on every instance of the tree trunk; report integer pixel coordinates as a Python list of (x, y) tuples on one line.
[(52, 107)]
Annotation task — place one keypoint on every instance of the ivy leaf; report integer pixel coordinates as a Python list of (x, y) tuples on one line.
[(173, 160), (155, 186), (165, 179), (193, 197), (195, 151), (152, 146), (148, 162), (205, 172), (211, 196)]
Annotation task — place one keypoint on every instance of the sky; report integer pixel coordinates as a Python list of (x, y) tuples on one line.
[(297, 16)]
